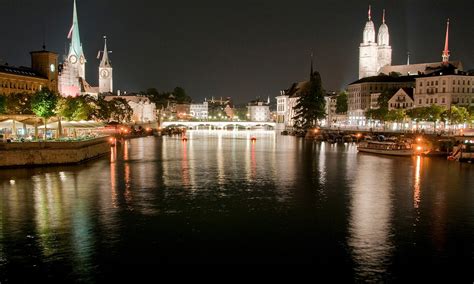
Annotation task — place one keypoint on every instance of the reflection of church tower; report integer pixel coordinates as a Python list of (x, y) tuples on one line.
[(105, 72), (385, 50), (446, 53), (368, 51)]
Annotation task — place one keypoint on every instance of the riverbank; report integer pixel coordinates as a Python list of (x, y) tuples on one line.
[(28, 154)]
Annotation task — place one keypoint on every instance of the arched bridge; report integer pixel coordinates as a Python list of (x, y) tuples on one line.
[(218, 124)]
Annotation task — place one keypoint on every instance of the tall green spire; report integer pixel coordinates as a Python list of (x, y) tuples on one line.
[(76, 45)]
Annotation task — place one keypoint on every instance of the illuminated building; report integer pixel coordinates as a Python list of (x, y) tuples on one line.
[(42, 73)]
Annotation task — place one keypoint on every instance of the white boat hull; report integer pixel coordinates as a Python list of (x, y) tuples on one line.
[(387, 152)]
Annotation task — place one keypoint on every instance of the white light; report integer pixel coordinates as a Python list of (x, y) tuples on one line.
[(12, 182)]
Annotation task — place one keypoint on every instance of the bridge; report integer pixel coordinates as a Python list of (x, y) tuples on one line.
[(218, 124)]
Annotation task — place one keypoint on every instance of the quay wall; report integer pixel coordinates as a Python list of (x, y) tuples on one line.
[(51, 153)]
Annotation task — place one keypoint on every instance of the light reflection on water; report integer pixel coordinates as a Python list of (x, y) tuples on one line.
[(278, 199)]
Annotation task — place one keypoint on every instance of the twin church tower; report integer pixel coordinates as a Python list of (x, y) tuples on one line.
[(72, 77), (373, 55)]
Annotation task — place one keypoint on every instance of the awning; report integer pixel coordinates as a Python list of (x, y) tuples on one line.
[(75, 124)]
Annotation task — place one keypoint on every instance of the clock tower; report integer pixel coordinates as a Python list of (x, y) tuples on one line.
[(105, 71)]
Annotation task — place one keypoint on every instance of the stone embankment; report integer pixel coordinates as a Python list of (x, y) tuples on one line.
[(27, 154)]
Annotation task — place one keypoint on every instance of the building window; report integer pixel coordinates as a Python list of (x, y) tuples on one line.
[(436, 83), (436, 100), (419, 101), (443, 100), (444, 90), (444, 82), (421, 84)]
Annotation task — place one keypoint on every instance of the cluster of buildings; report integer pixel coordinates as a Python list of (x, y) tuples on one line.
[(442, 83)]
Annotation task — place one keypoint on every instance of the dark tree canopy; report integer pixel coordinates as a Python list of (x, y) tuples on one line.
[(341, 103), (3, 104), (311, 105)]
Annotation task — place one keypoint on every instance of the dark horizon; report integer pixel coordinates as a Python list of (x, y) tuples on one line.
[(239, 49)]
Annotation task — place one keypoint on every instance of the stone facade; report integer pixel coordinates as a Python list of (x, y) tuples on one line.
[(360, 94), (444, 90), (43, 73), (402, 99), (372, 55)]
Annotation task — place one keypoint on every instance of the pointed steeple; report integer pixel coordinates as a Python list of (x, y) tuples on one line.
[(370, 13), (311, 72), (408, 58), (76, 45), (446, 53), (383, 17), (105, 56)]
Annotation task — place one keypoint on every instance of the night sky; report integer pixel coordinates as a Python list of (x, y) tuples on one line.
[(241, 49)]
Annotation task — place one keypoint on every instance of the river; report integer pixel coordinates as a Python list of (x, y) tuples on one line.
[(221, 198)]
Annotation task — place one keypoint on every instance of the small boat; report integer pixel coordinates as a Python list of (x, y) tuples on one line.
[(386, 148), (464, 152)]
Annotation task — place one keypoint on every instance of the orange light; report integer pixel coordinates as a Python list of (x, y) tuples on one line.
[(418, 139), (316, 130), (359, 135), (419, 148)]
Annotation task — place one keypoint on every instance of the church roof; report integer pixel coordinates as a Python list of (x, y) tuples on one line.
[(20, 71), (409, 92), (297, 89), (385, 79), (422, 68)]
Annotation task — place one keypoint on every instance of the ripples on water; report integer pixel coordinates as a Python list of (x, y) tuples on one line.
[(221, 198)]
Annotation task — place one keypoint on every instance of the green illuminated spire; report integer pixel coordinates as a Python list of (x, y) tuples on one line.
[(76, 45)]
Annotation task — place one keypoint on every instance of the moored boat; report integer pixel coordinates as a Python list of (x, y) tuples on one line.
[(386, 148), (464, 152)]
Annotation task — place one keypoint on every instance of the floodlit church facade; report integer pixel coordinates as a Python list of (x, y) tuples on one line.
[(72, 76), (373, 55)]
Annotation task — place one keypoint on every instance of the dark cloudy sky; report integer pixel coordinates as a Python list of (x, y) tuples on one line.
[(242, 49)]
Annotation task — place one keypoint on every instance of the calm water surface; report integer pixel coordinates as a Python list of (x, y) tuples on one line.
[(221, 198)]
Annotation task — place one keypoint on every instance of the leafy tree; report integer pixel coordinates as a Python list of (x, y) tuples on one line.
[(311, 104), (75, 108), (396, 115), (43, 104), (18, 103), (3, 104), (181, 96), (120, 110), (341, 103), (161, 100), (458, 115), (433, 114)]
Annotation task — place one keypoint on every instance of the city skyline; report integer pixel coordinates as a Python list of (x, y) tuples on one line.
[(261, 44)]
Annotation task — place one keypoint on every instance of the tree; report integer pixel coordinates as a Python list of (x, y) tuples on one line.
[(433, 114), (311, 104), (18, 103), (3, 104), (159, 99), (120, 110), (341, 103), (458, 115), (181, 96), (75, 108), (43, 104)]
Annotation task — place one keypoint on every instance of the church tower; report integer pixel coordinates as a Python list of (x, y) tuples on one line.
[(75, 57), (105, 72), (368, 51), (384, 49)]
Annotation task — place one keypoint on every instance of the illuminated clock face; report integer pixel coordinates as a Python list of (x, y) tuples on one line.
[(82, 60), (73, 59), (104, 73), (52, 68)]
